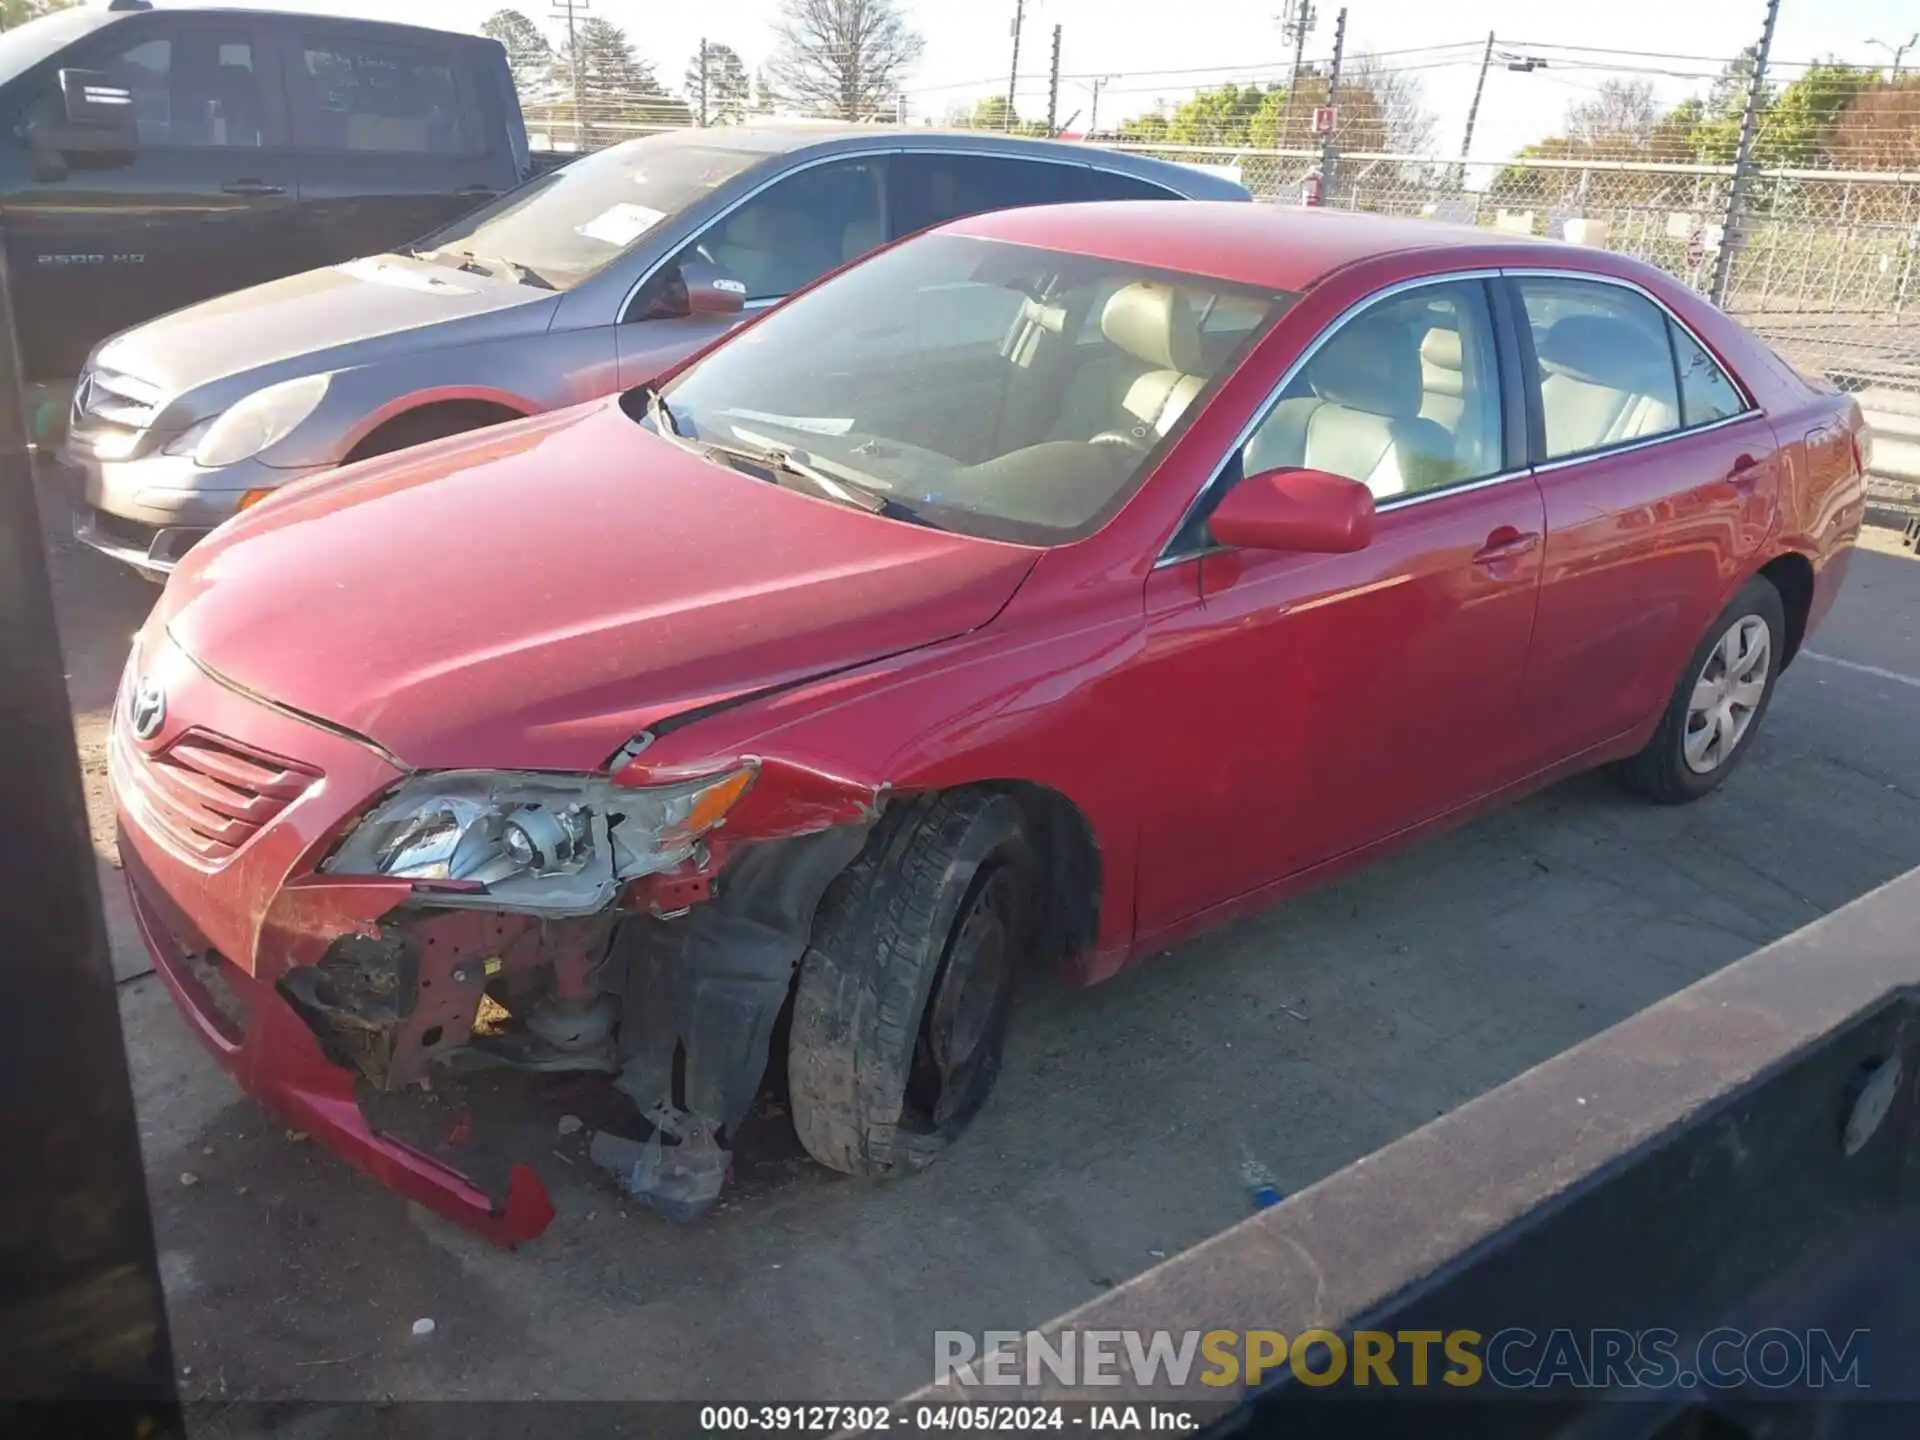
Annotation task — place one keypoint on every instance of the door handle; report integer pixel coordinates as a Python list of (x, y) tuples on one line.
[(1505, 543), (1741, 472), (252, 187), (480, 190)]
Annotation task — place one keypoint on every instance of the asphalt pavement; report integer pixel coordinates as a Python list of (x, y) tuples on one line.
[(1305, 1038)]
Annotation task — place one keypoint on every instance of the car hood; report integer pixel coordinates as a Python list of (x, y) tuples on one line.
[(534, 595), (349, 314)]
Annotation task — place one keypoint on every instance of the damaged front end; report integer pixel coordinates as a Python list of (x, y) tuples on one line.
[(647, 932)]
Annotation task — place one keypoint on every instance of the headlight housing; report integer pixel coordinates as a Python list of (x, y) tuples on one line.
[(262, 419), (552, 844)]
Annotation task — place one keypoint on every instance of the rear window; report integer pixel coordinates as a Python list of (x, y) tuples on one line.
[(364, 94)]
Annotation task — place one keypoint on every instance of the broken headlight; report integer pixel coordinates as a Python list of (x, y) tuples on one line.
[(558, 844)]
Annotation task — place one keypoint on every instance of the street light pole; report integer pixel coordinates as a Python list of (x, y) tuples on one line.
[(1899, 52)]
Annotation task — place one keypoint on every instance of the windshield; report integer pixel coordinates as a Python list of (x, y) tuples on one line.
[(568, 225), (995, 389)]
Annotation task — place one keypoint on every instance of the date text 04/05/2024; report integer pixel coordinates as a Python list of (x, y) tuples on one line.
[(991, 1419)]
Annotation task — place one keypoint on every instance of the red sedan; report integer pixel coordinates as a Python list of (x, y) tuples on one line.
[(1039, 591)]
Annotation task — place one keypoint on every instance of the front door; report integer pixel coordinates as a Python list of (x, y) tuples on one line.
[(204, 203), (1318, 703)]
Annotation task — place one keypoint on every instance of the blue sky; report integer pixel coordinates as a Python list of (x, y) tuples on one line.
[(967, 44)]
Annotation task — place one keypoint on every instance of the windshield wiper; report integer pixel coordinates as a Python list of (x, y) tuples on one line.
[(661, 413), (487, 264), (785, 461)]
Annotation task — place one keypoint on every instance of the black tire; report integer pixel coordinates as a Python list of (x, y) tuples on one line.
[(901, 1009), (1661, 771)]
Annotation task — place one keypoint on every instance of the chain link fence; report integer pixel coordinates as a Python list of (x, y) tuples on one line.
[(1818, 255)]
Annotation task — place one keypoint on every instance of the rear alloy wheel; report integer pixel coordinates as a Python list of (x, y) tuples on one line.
[(1719, 702), (905, 991)]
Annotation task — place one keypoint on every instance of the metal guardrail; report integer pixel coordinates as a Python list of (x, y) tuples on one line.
[(1741, 1154)]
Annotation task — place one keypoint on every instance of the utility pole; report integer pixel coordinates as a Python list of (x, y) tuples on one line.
[(1473, 111), (1296, 24), (1093, 115), (1743, 161), (567, 8), (1329, 152), (703, 82), (1053, 87), (1013, 76)]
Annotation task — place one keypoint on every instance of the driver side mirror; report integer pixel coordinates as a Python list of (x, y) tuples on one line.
[(96, 112), (696, 287), (1307, 511)]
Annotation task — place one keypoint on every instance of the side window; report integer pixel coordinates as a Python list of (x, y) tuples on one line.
[(930, 188), (798, 228), (1404, 397), (194, 89), (1706, 394), (1106, 185), (1606, 372), (366, 95)]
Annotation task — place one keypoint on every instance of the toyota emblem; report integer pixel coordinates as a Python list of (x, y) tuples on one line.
[(148, 709)]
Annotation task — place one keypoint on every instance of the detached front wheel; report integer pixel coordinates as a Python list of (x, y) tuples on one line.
[(906, 988)]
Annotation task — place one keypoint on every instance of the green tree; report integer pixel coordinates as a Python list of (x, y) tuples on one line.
[(843, 58), (993, 113), (1223, 116), (1798, 128), (727, 87), (18, 12), (529, 56), (615, 84)]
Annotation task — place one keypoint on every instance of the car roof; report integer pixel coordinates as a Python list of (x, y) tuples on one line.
[(218, 11), (1270, 247), (791, 137)]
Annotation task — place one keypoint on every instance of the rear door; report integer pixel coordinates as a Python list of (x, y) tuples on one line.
[(1659, 477), (204, 204), (389, 136)]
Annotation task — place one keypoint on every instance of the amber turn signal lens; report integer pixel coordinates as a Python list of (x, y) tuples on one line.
[(713, 804), (252, 498)]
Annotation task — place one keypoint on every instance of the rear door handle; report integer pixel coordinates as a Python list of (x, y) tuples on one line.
[(252, 187), (1506, 543), (1741, 472), (480, 190)]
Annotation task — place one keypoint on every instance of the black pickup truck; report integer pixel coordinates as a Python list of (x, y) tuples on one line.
[(153, 157)]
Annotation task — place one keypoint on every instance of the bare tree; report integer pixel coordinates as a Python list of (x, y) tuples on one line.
[(841, 57), (1621, 114)]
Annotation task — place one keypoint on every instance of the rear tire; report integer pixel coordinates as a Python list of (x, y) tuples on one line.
[(1718, 704), (901, 1010)]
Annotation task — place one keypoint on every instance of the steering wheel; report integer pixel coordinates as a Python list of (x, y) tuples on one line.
[(1119, 437)]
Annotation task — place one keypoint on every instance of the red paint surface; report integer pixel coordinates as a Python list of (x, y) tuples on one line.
[(1231, 728)]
